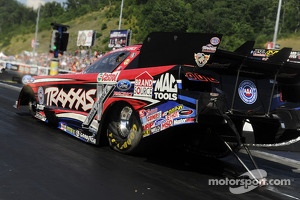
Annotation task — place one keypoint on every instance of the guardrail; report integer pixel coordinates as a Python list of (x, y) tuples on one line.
[(29, 69)]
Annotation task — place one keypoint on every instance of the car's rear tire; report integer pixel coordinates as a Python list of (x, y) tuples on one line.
[(124, 130)]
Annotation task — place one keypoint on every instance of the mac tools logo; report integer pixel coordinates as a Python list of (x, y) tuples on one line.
[(166, 87)]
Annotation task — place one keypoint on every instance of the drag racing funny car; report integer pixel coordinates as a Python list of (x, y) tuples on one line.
[(177, 82)]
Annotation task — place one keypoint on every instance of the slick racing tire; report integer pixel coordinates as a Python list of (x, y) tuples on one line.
[(124, 129)]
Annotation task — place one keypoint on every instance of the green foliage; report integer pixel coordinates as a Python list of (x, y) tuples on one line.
[(103, 26), (238, 21), (105, 40), (5, 42), (51, 9), (98, 35), (12, 14), (163, 15)]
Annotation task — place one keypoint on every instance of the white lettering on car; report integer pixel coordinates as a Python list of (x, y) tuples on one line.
[(166, 87), (72, 98)]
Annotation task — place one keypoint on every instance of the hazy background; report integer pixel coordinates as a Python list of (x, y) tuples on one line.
[(36, 3)]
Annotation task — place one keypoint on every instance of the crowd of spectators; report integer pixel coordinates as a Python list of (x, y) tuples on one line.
[(68, 61)]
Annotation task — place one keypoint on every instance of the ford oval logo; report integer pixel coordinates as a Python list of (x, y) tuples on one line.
[(159, 121), (124, 85)]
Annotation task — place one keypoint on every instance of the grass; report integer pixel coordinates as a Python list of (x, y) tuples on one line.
[(95, 21), (292, 42), (91, 21)]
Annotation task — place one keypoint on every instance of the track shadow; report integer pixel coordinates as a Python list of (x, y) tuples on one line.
[(170, 152), (24, 114)]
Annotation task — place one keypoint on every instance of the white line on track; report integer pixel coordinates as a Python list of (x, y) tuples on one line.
[(10, 86), (276, 158)]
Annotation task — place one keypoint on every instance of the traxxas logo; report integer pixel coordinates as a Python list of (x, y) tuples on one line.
[(166, 87), (74, 98)]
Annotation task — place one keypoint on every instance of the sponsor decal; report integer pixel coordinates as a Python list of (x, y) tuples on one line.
[(183, 120), (77, 133), (146, 133), (153, 117), (40, 107), (166, 87), (155, 129), (159, 121), (40, 116), (126, 62), (123, 85), (68, 129), (108, 77), (132, 55), (74, 99), (186, 112), (295, 55), (118, 93), (27, 79), (41, 95), (201, 59), (172, 115), (166, 124), (193, 76), (209, 48), (247, 91), (143, 85), (63, 127), (215, 41), (146, 112), (148, 126), (172, 110), (87, 138), (259, 52), (271, 52)]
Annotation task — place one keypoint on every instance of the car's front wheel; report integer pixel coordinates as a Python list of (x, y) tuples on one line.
[(32, 105), (124, 129)]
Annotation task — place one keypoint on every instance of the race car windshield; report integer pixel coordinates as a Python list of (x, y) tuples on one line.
[(107, 63)]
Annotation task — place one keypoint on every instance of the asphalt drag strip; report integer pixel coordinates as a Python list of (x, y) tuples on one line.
[(280, 157)]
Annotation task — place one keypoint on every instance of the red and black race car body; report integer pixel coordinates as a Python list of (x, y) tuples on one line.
[(172, 80)]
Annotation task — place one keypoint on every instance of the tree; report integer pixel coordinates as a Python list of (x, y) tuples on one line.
[(163, 15), (51, 9)]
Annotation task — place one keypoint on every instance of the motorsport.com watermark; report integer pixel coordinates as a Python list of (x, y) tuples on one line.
[(255, 178)]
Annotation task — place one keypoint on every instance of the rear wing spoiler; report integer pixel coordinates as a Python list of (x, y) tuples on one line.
[(278, 64), (171, 48), (277, 68), (245, 48), (226, 62), (168, 48)]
